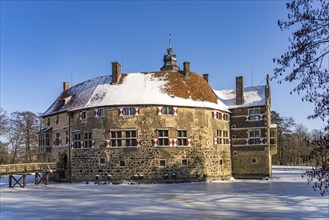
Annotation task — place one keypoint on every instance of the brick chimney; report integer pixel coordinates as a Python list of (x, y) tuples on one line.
[(186, 70), (66, 86), (205, 76), (239, 90), (116, 72)]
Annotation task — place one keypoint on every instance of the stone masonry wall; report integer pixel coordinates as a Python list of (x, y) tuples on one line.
[(205, 160)]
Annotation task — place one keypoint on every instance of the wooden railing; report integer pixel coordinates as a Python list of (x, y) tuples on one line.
[(25, 168)]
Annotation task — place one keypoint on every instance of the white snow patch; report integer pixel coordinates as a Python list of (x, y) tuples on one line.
[(286, 196), (253, 96), (142, 89)]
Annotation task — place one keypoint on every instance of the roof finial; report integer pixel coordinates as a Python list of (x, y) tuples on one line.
[(169, 40)]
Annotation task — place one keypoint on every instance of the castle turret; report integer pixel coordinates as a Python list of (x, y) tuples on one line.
[(169, 60)]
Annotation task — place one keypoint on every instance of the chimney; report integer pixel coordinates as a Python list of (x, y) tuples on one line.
[(239, 90), (186, 71), (205, 76), (116, 72), (66, 86)]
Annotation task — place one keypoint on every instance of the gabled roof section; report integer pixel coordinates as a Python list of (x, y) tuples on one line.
[(77, 96), (150, 88), (253, 96)]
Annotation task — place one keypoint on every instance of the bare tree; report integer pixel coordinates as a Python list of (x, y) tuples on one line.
[(4, 154), (24, 126), (319, 174), (285, 129), (305, 59)]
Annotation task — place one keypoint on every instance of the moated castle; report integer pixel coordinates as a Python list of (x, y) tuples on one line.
[(162, 126)]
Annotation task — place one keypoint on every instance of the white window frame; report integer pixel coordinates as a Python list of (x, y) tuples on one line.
[(119, 138), (253, 137), (167, 110), (88, 142), (252, 115), (77, 140), (100, 161), (163, 137), (182, 137), (162, 160), (129, 111), (222, 137)]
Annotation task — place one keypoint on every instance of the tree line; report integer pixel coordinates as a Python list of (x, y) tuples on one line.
[(18, 137), (298, 146)]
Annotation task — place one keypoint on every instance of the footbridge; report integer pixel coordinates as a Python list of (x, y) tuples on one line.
[(17, 172)]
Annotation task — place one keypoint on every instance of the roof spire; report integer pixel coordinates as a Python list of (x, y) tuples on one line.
[(169, 40)]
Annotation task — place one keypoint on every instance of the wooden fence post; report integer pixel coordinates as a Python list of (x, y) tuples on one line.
[(36, 180), (10, 181), (24, 180)]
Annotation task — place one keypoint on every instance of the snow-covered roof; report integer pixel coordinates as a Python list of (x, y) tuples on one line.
[(253, 96), (138, 89)]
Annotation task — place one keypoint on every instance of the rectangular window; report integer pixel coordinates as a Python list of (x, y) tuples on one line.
[(220, 161), (162, 163), (226, 117), (102, 161), (122, 163), (100, 112), (66, 137), (57, 139), (88, 140), (83, 115), (129, 111), (222, 137), (167, 111), (48, 121), (44, 139), (77, 140), (124, 138), (184, 162), (254, 137), (182, 137), (163, 137), (219, 115), (254, 114), (47, 139)]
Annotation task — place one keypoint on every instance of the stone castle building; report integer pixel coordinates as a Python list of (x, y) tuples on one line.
[(162, 126)]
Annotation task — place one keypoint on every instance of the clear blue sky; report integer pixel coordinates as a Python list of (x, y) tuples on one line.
[(46, 43)]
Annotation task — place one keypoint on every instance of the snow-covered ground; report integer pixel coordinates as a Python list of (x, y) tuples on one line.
[(286, 196)]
